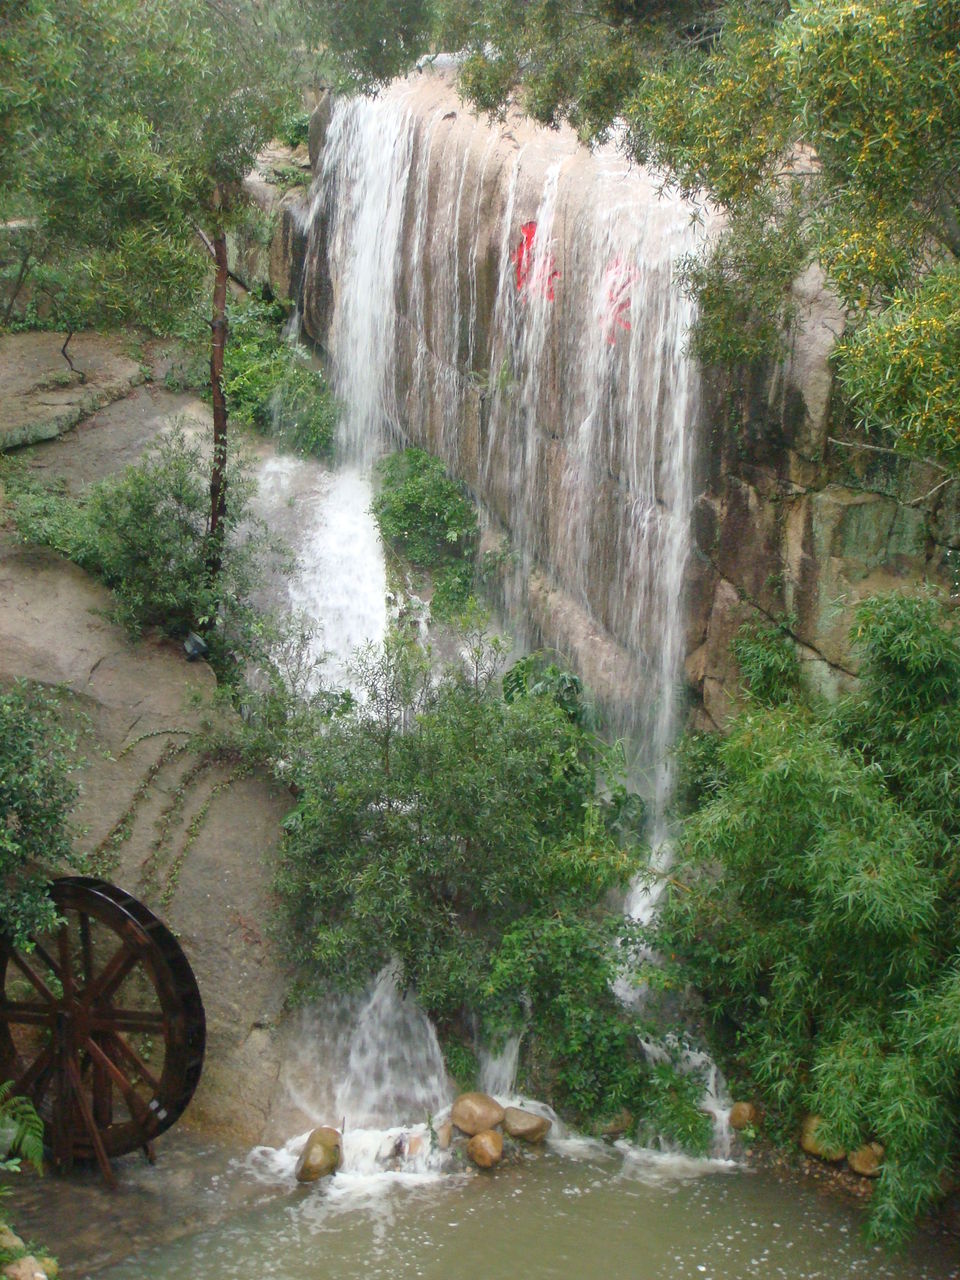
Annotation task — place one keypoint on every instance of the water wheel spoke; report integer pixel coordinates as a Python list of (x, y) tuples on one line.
[(138, 1108), (123, 1049), (29, 1078), (83, 1105), (48, 960), (101, 1022), (127, 1020), (34, 978), (66, 961), (25, 1013), (123, 960), (86, 948)]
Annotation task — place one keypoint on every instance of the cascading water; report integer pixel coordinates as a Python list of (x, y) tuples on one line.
[(360, 195), (508, 300), (395, 1068)]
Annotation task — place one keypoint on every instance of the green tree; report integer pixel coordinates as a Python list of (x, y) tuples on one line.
[(460, 836), (368, 44), (131, 160), (816, 906)]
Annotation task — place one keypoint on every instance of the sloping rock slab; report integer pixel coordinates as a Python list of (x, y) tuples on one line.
[(40, 398)]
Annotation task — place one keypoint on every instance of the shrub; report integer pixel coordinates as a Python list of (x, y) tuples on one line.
[(460, 835), (818, 904), (294, 128), (767, 657), (452, 591), (421, 512), (36, 796), (270, 385), (144, 533)]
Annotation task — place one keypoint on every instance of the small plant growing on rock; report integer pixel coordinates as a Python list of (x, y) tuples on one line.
[(421, 512)]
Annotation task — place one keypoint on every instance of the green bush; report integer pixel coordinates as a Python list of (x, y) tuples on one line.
[(817, 909), (900, 370), (673, 1110), (767, 657), (36, 796), (742, 283), (421, 512), (294, 128), (271, 386), (461, 836), (144, 533), (453, 590), (532, 676)]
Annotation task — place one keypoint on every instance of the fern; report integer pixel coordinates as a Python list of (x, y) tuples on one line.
[(20, 1115)]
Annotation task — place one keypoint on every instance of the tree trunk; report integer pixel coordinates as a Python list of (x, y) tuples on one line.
[(21, 276), (218, 474), (63, 352)]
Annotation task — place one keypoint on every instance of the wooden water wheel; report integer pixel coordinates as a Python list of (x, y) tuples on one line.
[(101, 1024)]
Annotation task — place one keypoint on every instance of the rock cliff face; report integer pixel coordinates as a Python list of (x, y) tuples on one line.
[(505, 298), (798, 518)]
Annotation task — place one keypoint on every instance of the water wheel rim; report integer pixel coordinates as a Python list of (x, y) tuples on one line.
[(85, 1034)]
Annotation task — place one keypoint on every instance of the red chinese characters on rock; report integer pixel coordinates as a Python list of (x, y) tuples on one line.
[(618, 281), (535, 272)]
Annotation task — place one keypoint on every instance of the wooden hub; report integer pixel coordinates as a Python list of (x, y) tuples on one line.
[(101, 1024)]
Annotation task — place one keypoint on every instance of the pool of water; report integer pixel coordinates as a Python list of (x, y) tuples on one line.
[(583, 1210)]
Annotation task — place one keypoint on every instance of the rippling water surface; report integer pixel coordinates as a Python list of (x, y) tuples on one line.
[(583, 1210)]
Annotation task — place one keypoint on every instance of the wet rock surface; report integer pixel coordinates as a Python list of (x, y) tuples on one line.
[(814, 1146), (472, 1113), (135, 704), (485, 1149), (41, 397), (867, 1160), (525, 1125), (322, 1155), (743, 1115), (794, 519)]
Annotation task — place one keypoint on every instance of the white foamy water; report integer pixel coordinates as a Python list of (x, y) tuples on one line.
[(339, 579), (498, 1071), (361, 190), (395, 1070)]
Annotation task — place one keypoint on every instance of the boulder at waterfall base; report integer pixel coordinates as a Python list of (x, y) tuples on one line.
[(518, 1123), (743, 1115), (444, 1135), (322, 1155), (812, 1145), (867, 1160), (485, 1149), (472, 1113)]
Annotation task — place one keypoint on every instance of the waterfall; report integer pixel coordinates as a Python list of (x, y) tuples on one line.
[(361, 195), (395, 1069), (507, 299)]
